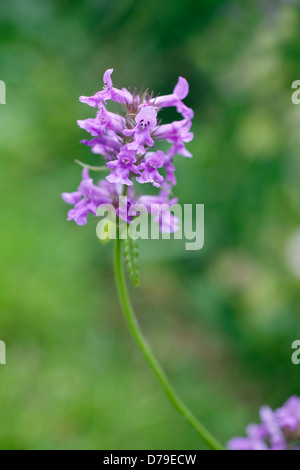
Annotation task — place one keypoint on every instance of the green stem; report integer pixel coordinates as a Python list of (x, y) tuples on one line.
[(145, 349)]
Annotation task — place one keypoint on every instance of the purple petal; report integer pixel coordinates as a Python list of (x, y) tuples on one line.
[(181, 90), (71, 198), (107, 78)]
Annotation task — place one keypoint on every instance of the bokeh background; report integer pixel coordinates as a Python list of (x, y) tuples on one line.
[(221, 320)]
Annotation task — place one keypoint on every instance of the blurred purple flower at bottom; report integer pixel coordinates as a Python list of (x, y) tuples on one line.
[(279, 429)]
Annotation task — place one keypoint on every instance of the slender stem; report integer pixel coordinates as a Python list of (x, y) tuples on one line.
[(145, 349)]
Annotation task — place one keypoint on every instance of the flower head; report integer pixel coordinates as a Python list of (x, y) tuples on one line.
[(127, 143), (150, 166)]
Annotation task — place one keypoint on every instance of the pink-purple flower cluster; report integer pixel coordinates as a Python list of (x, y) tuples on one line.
[(279, 430), (128, 143)]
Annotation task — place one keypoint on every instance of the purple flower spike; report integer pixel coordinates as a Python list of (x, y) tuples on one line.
[(279, 430), (149, 165), (125, 141)]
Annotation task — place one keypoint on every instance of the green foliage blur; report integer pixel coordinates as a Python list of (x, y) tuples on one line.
[(221, 320)]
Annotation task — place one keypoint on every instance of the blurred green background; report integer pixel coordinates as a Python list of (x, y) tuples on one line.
[(221, 320)]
